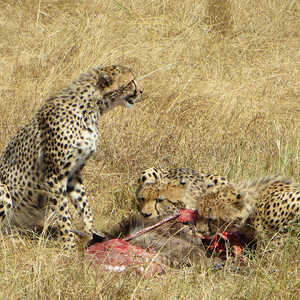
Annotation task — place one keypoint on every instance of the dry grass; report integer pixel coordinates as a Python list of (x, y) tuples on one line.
[(222, 94)]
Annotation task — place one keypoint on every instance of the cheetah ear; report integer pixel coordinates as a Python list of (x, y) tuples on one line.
[(142, 179), (104, 80)]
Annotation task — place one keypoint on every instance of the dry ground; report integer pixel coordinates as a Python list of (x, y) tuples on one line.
[(222, 94)]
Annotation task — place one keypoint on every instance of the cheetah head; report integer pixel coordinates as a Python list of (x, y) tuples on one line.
[(116, 85), (227, 208), (158, 200), (151, 175)]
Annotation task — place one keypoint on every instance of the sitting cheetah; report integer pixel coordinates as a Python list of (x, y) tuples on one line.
[(268, 205), (163, 192), (42, 164)]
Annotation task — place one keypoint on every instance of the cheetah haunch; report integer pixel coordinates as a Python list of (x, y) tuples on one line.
[(41, 166)]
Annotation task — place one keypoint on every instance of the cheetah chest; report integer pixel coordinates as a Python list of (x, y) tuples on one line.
[(84, 147)]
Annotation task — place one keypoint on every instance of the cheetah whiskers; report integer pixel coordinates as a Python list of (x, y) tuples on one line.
[(156, 70)]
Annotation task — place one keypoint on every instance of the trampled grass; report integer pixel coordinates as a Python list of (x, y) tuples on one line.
[(222, 94)]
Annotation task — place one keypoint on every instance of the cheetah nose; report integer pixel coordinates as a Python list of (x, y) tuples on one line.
[(146, 215)]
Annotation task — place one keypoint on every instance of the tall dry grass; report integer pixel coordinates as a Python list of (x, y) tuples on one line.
[(222, 94)]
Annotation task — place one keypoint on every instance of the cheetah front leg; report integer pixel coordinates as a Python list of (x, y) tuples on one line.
[(59, 212), (77, 194), (5, 208)]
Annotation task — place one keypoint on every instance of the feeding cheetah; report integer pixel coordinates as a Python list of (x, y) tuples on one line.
[(41, 166), (162, 192), (262, 207)]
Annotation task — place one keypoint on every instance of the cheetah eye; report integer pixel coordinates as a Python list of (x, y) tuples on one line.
[(142, 199), (238, 196), (159, 200), (104, 80)]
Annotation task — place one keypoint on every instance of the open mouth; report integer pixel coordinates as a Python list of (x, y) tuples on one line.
[(129, 101)]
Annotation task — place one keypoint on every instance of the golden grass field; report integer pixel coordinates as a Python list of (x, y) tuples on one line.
[(221, 84)]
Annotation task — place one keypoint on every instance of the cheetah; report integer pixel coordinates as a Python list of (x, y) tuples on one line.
[(257, 209), (42, 165), (162, 192)]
